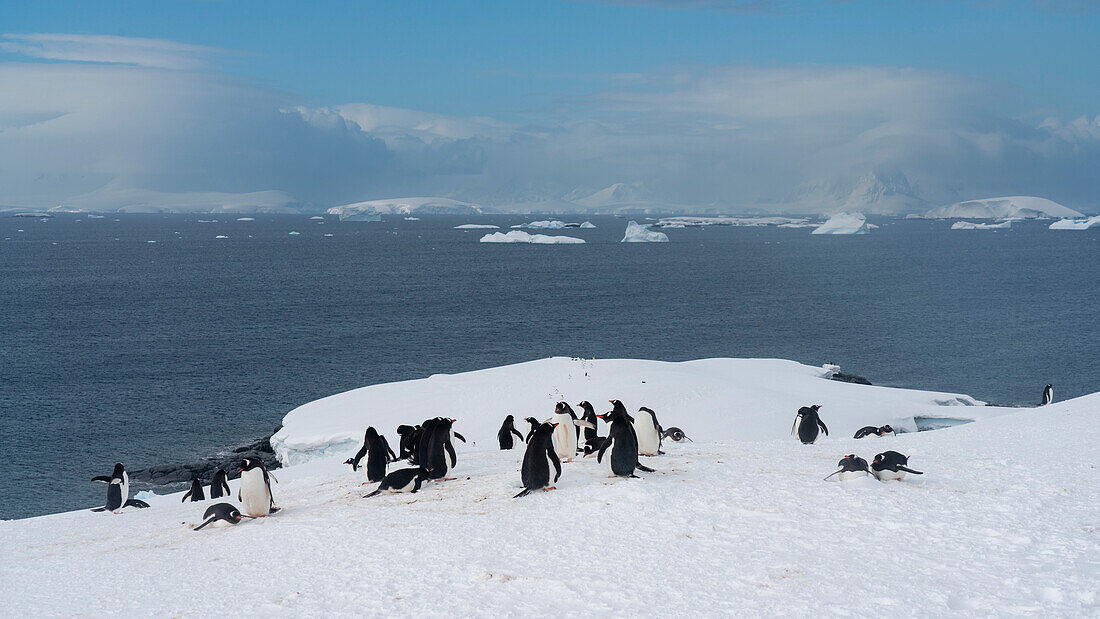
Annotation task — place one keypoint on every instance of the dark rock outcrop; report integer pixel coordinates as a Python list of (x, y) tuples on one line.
[(850, 378), (172, 474)]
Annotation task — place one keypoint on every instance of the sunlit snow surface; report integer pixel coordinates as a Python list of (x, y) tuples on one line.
[(969, 225), (1076, 224), (640, 233), (519, 236), (844, 223), (1003, 521)]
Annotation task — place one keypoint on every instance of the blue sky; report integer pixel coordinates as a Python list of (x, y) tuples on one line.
[(538, 68)]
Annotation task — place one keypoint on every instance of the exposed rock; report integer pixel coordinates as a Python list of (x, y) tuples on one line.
[(850, 378), (173, 474)]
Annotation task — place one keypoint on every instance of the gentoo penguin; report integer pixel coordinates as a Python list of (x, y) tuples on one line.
[(806, 424), (255, 491), (850, 467), (1048, 395), (378, 454), (220, 486), (401, 480), (621, 442), (195, 493), (507, 429), (118, 491), (436, 452), (537, 459), (565, 431), (872, 430), (531, 431), (406, 447), (891, 465), (675, 434), (648, 431), (221, 515), (592, 439)]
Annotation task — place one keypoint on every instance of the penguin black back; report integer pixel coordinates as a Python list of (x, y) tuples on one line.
[(507, 429), (849, 464), (195, 493), (406, 447), (220, 511), (1048, 395), (621, 441), (807, 423), (220, 486), (437, 453), (534, 423), (892, 461), (589, 414), (538, 458)]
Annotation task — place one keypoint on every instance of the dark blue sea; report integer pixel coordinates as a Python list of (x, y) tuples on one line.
[(114, 348)]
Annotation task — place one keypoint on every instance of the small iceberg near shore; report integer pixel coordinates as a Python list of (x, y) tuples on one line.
[(1076, 224), (519, 236), (639, 233), (969, 225), (844, 223), (477, 227)]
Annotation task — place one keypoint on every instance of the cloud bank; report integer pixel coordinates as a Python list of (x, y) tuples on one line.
[(142, 117)]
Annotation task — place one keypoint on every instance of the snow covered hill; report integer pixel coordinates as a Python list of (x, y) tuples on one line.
[(1028, 207), (404, 206), (1003, 521)]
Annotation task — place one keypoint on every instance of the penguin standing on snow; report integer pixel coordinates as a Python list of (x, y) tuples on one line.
[(621, 445), (649, 432), (255, 491), (407, 445), (378, 454), (890, 465), (504, 435), (851, 466), (537, 459), (565, 431), (592, 438), (1048, 395), (806, 424), (220, 513), (402, 480), (195, 493), (118, 491), (872, 430), (436, 452), (531, 431), (220, 486)]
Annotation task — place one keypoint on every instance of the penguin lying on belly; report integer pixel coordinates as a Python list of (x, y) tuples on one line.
[(891, 465), (851, 466), (872, 430)]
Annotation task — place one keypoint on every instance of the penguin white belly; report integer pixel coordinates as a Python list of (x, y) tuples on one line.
[(565, 437), (255, 495), (125, 489), (888, 475), (846, 475), (648, 440)]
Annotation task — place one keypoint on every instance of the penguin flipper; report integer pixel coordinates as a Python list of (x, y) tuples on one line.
[(603, 448), (103, 478), (553, 456), (642, 467), (451, 452), (136, 503), (909, 470), (99, 509), (518, 435), (375, 493), (460, 437), (823, 428), (186, 495), (525, 492), (831, 474), (584, 424), (205, 523)]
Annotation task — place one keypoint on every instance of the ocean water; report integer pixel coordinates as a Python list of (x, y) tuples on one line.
[(114, 348)]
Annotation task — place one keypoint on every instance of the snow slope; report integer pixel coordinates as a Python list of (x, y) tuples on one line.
[(639, 233), (843, 223), (519, 236), (731, 398), (1004, 521), (403, 206), (1002, 208), (1076, 224)]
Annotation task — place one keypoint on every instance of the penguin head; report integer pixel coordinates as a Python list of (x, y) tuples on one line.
[(119, 470), (816, 407), (586, 406), (886, 429), (532, 421), (509, 419), (371, 433), (248, 464)]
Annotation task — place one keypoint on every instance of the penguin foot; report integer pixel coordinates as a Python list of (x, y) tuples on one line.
[(549, 489)]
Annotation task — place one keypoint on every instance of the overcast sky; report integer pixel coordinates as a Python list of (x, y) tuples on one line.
[(744, 104)]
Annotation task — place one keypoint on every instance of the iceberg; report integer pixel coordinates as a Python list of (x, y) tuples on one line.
[(843, 223), (477, 227), (1076, 224), (967, 225), (587, 225), (246, 219), (374, 209), (692, 222), (639, 233), (519, 236), (1026, 207)]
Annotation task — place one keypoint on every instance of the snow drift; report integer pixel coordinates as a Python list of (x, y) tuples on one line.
[(638, 233), (844, 223), (519, 236), (1027, 207)]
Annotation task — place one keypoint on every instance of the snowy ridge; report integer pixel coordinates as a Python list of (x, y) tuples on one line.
[(731, 398), (721, 527), (1028, 207), (370, 210)]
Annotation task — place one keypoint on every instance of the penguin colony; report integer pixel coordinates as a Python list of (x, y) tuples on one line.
[(429, 448)]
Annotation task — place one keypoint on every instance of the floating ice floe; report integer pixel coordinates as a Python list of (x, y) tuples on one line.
[(317, 217), (477, 227), (519, 236), (221, 236), (693, 222), (640, 233), (1001, 208), (293, 233), (969, 225), (844, 223), (1076, 224), (246, 219)]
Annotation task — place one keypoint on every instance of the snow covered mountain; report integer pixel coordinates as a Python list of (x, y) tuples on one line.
[(1028, 207), (876, 193), (740, 522), (114, 198), (404, 206)]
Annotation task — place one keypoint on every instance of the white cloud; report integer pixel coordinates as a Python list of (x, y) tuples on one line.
[(109, 49)]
